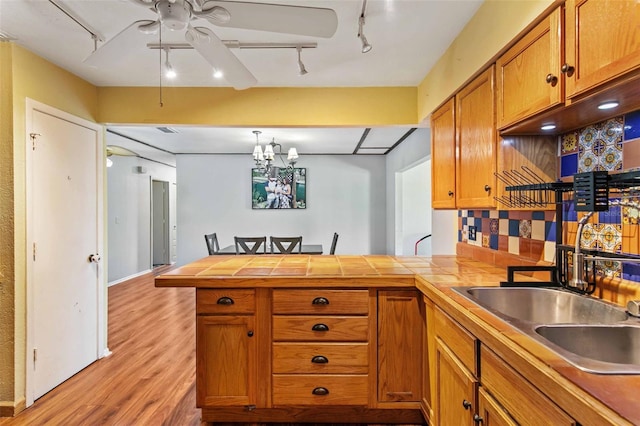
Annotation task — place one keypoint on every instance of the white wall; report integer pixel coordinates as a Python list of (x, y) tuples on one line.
[(415, 210), (345, 194), (129, 214)]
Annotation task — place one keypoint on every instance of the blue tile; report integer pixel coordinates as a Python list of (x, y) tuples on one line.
[(493, 242), (459, 235), (632, 126), (471, 213), (478, 224), (537, 216), (514, 227), (631, 271), (503, 214), (485, 213), (459, 213), (550, 231), (569, 165), (613, 215), (464, 221), (570, 214)]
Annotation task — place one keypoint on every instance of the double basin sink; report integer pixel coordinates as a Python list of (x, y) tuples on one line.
[(594, 335)]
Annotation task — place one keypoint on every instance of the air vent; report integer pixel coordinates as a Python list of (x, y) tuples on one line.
[(167, 129), (6, 37)]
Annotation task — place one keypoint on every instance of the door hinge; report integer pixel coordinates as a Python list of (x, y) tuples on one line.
[(34, 252), (35, 355), (33, 137)]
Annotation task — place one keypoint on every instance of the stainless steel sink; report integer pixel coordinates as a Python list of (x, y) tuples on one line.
[(592, 334), (611, 349), (543, 305)]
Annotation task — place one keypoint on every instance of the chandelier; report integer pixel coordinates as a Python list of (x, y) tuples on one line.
[(265, 159)]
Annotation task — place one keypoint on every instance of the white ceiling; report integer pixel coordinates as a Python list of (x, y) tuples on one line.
[(408, 37)]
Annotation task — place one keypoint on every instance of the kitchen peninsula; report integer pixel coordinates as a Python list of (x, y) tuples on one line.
[(378, 339)]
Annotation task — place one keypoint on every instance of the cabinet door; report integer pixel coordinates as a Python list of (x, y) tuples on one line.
[(476, 142), (399, 346), (443, 156), (490, 413), (528, 75), (456, 389), (226, 361), (602, 41)]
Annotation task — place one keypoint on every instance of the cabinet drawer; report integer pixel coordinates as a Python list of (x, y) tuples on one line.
[(319, 301), (320, 328), (225, 301), (525, 403), (323, 358), (320, 389), (462, 343)]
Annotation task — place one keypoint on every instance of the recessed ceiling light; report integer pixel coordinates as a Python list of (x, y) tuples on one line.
[(608, 105), (548, 127), (217, 73)]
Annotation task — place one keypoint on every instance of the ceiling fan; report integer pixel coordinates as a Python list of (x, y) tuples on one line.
[(177, 15)]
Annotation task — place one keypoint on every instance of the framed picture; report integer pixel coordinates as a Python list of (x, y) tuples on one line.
[(281, 188)]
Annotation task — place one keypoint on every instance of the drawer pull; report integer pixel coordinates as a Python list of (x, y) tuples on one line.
[(320, 301), (225, 301), (466, 404), (319, 359), (320, 327), (477, 419), (320, 391)]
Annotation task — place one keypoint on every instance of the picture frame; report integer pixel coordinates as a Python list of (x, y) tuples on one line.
[(279, 188)]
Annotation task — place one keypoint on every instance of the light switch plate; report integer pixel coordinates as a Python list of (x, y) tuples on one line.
[(472, 233)]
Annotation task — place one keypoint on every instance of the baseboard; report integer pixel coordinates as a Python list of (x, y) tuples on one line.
[(11, 409), (121, 280)]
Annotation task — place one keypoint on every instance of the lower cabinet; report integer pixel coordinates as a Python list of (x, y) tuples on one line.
[(474, 385)]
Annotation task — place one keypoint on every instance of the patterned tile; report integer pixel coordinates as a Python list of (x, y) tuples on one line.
[(589, 237), (610, 237), (611, 159), (485, 240), (569, 143), (524, 228), (609, 268), (630, 214), (587, 162), (494, 226)]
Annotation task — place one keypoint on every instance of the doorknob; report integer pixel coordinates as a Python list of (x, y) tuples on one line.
[(95, 258)]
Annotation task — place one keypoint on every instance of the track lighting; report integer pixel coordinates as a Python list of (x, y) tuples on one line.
[(303, 70), (365, 44), (169, 72)]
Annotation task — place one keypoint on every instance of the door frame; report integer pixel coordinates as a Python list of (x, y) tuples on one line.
[(101, 332)]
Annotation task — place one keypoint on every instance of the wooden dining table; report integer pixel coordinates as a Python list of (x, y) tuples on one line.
[(306, 249)]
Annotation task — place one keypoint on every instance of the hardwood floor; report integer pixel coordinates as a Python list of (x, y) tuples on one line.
[(149, 379)]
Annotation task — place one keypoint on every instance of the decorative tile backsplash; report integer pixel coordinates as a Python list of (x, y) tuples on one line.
[(612, 145)]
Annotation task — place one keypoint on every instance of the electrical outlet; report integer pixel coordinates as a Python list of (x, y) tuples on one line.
[(472, 233)]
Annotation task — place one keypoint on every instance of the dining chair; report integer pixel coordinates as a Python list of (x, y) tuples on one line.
[(286, 245), (243, 245), (212, 243), (333, 243)]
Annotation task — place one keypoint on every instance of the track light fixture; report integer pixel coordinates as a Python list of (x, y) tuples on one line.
[(365, 44), (303, 70), (169, 72)]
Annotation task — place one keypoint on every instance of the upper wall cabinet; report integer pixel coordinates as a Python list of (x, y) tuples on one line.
[(528, 75), (602, 42), (476, 142), (443, 156)]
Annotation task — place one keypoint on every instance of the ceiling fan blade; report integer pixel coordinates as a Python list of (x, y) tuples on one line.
[(220, 57), (300, 20), (119, 150), (118, 47)]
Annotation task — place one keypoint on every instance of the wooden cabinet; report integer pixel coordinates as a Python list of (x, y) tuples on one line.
[(528, 77), (443, 156), (602, 42), (320, 347), (400, 333), (476, 142), (490, 413), (226, 355)]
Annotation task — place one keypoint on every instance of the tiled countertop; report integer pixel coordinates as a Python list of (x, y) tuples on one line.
[(589, 398)]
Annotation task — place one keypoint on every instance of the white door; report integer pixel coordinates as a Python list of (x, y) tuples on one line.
[(160, 222), (63, 221)]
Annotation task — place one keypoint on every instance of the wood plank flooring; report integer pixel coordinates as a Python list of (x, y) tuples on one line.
[(149, 379)]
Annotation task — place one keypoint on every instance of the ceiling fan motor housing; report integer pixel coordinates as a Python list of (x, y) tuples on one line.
[(174, 15)]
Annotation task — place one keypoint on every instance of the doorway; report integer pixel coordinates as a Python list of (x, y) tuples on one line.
[(66, 297), (413, 209), (160, 233)]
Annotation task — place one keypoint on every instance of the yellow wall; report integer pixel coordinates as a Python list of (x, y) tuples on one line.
[(364, 106), (495, 24)]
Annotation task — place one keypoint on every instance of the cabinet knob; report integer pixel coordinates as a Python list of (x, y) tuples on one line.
[(320, 301), (250, 333), (320, 391), (225, 301), (450, 193), (320, 327), (567, 69), (477, 418), (487, 188), (551, 79), (466, 404), (319, 359)]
